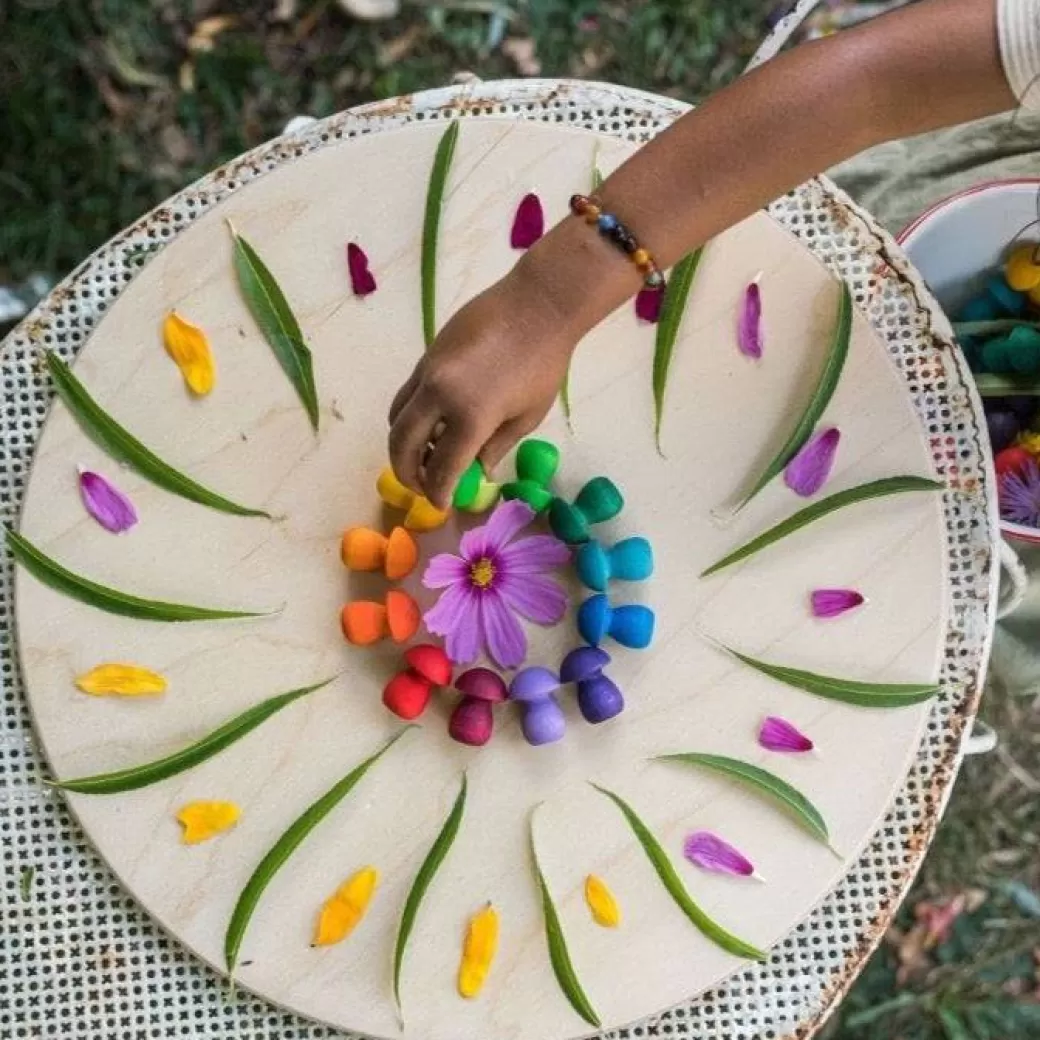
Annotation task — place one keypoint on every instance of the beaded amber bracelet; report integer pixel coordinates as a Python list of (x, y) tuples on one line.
[(612, 229)]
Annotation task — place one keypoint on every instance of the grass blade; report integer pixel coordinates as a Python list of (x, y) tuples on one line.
[(673, 885), (431, 229), (673, 308), (820, 398), (187, 758), (762, 782), (57, 577), (848, 691), (285, 846), (821, 508), (277, 323), (559, 955), (991, 385), (122, 446), (427, 872)]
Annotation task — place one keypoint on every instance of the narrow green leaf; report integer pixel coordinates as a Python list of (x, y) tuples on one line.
[(122, 446), (189, 757), (673, 885), (285, 846), (866, 695), (597, 177), (431, 228), (821, 395), (559, 955), (275, 319), (762, 782), (821, 508), (428, 870), (25, 882), (673, 307), (992, 385), (53, 574), (989, 328)]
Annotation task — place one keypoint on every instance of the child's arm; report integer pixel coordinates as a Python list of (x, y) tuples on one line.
[(495, 369)]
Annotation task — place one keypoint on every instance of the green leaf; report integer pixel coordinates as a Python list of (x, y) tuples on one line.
[(821, 395), (285, 846), (763, 782), (189, 757), (864, 694), (673, 885), (565, 397), (821, 508), (122, 446), (597, 177), (428, 870), (53, 574), (559, 955), (991, 385), (431, 228), (25, 882), (275, 319), (673, 307), (952, 1025)]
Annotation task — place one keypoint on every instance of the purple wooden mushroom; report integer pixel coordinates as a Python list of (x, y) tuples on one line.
[(534, 689), (599, 698), (472, 721)]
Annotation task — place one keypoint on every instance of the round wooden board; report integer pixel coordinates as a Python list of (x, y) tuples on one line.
[(250, 439)]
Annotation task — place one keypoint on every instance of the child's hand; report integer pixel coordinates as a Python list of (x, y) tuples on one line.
[(488, 380)]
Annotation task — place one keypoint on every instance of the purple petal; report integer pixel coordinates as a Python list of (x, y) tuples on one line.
[(749, 327), (538, 599), (540, 552), (505, 639), (529, 224), (361, 279), (808, 471), (778, 734), (828, 603), (444, 570), (648, 304), (710, 852), (106, 503), (456, 617), (508, 519)]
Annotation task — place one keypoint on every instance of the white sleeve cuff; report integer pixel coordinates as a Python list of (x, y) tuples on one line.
[(1018, 24)]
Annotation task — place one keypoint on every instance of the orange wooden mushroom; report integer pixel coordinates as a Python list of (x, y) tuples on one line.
[(365, 622), (364, 549)]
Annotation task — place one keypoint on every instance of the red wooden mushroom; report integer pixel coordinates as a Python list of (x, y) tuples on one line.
[(408, 692)]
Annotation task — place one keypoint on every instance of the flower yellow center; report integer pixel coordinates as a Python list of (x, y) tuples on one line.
[(482, 573)]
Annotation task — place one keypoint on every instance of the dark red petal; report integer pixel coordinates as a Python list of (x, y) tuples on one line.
[(529, 223), (361, 278), (648, 304)]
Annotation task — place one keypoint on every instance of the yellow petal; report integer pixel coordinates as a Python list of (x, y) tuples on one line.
[(343, 911), (205, 820), (121, 680), (1029, 441), (604, 907), (189, 348), (478, 951), (1021, 270)]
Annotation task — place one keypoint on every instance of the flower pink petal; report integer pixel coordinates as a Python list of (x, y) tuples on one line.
[(444, 570), (749, 327), (361, 278), (106, 503), (808, 471), (710, 852), (529, 223), (503, 636), (776, 734), (508, 519), (538, 599), (828, 603), (456, 617), (533, 555), (648, 304)]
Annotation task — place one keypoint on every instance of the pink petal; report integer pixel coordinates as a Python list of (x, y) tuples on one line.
[(749, 327), (361, 278), (538, 599), (456, 617), (508, 519), (710, 852), (540, 552), (778, 734), (648, 304), (808, 471), (828, 603), (106, 503), (529, 224), (505, 639), (444, 570)]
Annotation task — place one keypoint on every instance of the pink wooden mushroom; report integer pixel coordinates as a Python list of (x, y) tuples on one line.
[(472, 721)]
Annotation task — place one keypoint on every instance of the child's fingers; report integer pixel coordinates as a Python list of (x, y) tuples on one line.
[(452, 452), (411, 432), (503, 440), (404, 395)]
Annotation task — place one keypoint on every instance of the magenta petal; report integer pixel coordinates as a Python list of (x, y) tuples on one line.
[(710, 852), (361, 278), (505, 639), (648, 304), (749, 327), (538, 599), (828, 603), (808, 471), (778, 734), (106, 503), (444, 570), (540, 552), (529, 223)]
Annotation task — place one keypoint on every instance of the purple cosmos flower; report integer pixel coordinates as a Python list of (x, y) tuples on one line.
[(362, 281), (709, 852), (1020, 495), (778, 734), (808, 471), (491, 580), (828, 603), (749, 327), (106, 503), (529, 223), (648, 304)]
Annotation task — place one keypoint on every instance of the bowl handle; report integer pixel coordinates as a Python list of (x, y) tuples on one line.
[(1014, 581)]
